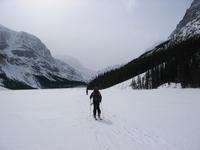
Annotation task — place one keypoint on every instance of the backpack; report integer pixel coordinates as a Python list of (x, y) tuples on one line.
[(96, 95)]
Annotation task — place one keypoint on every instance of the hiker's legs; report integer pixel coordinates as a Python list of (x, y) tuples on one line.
[(94, 108), (98, 109)]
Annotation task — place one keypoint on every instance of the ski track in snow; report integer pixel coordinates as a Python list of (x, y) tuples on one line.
[(135, 120), (119, 134)]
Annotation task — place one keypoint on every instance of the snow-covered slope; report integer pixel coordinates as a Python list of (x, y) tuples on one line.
[(164, 119), (24, 57), (107, 69), (2, 88), (128, 84), (73, 62), (189, 26), (87, 74), (110, 68)]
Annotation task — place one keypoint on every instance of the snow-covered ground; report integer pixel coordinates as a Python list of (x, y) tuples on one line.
[(162, 119)]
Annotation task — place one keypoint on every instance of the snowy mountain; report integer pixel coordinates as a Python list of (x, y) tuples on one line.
[(107, 69), (25, 60), (73, 62), (189, 26), (87, 74)]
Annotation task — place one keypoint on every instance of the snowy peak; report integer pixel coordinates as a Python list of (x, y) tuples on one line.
[(15, 42), (75, 63), (189, 26), (87, 74), (191, 14), (108, 69)]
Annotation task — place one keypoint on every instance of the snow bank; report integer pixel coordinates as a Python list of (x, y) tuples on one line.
[(2, 88), (171, 85)]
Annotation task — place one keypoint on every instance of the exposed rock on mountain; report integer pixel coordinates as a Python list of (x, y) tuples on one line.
[(25, 60), (189, 26)]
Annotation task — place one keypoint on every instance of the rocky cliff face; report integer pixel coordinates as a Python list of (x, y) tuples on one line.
[(189, 26), (23, 57)]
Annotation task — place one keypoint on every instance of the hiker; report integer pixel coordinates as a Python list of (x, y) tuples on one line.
[(87, 91), (96, 95)]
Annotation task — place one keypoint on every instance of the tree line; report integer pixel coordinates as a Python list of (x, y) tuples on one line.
[(178, 63)]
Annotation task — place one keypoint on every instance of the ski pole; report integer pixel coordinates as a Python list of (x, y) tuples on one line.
[(90, 107), (102, 109)]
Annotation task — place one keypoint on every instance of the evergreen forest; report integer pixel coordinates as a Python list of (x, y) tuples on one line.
[(178, 63)]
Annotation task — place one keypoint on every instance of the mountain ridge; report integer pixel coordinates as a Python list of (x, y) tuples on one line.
[(87, 74), (189, 26), (24, 58), (191, 14)]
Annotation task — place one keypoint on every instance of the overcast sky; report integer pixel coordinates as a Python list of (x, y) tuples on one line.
[(99, 33)]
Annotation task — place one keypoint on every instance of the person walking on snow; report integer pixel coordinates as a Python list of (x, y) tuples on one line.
[(87, 91), (96, 95)]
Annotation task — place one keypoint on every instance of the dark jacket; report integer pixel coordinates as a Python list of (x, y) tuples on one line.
[(96, 95)]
